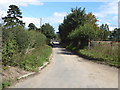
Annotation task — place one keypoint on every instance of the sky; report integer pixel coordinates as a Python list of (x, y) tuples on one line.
[(53, 12)]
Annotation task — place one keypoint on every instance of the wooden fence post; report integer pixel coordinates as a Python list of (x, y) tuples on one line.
[(89, 44)]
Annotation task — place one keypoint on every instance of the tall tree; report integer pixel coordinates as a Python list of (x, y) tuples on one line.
[(13, 17), (115, 35), (104, 31), (32, 26), (71, 21), (48, 30), (104, 27), (90, 18)]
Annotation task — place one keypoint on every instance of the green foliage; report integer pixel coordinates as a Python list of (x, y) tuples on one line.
[(79, 27), (70, 23), (104, 32), (115, 35), (23, 48), (36, 39), (31, 61), (32, 26), (90, 18), (5, 84), (8, 52), (57, 37), (9, 47), (47, 30), (83, 32), (22, 38), (7, 34), (18, 40), (12, 18), (104, 27), (104, 52), (15, 40)]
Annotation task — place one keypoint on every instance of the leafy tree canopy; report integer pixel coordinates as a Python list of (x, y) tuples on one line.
[(48, 30), (70, 22), (83, 32), (32, 26), (104, 28), (115, 35)]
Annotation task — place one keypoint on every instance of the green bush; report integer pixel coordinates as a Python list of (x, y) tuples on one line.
[(36, 39), (9, 47), (36, 58), (5, 84), (8, 52), (18, 44), (22, 39)]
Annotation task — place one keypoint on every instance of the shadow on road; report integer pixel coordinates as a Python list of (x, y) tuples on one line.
[(56, 45), (66, 53), (63, 50), (85, 57)]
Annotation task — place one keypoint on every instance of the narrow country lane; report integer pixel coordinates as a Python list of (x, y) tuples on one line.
[(67, 70)]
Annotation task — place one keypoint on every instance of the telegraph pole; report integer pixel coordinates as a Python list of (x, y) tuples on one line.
[(1, 19), (40, 22)]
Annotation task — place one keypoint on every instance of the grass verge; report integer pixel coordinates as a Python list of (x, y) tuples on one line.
[(5, 84), (102, 54), (36, 58)]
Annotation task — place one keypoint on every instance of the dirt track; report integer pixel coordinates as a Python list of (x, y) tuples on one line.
[(67, 70)]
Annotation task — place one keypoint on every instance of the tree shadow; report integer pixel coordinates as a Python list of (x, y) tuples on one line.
[(56, 45), (64, 51)]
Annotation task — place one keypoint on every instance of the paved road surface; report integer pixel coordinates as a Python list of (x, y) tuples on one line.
[(70, 71)]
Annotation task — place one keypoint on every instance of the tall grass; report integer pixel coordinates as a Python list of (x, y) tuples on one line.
[(31, 61), (104, 52)]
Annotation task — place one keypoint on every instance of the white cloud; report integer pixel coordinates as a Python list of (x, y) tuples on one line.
[(76, 0), (107, 9), (57, 17), (28, 20), (54, 20), (108, 14), (4, 4), (112, 28), (62, 14)]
